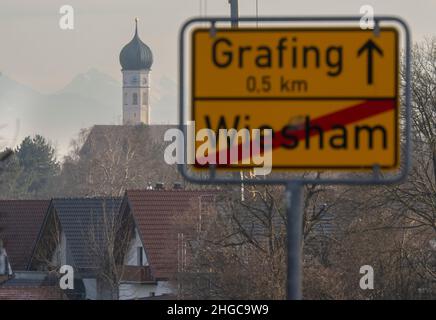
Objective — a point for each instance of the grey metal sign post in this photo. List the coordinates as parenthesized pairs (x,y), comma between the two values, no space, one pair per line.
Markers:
(234,12)
(294,215)
(295,186)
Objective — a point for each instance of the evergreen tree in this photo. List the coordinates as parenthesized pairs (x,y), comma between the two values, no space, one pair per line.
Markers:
(30,171)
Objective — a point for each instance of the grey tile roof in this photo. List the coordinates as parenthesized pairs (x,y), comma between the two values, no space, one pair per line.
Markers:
(23,283)
(30,282)
(79,218)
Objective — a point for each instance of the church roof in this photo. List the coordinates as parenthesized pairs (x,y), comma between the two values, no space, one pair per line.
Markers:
(140,135)
(136,55)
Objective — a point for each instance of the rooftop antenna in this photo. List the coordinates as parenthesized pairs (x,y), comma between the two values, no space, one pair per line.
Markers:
(234,13)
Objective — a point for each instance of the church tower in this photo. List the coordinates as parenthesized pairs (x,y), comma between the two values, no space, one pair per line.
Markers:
(136,60)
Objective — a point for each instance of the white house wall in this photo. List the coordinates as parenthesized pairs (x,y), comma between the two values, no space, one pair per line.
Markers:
(90,288)
(60,254)
(132,291)
(132,254)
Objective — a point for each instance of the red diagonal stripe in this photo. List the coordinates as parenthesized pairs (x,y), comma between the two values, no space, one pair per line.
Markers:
(343,117)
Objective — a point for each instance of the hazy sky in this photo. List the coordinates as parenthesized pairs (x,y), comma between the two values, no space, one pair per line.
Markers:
(36,52)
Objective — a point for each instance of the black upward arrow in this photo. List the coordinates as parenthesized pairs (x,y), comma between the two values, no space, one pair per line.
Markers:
(370,46)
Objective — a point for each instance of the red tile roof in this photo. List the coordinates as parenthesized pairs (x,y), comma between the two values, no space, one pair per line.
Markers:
(136,274)
(31,293)
(154,212)
(20,222)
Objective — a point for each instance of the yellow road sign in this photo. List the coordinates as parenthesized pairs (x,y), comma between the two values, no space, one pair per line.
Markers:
(330,95)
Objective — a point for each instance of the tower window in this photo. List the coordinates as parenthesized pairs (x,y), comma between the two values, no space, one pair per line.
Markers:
(135,99)
(125,98)
(144,99)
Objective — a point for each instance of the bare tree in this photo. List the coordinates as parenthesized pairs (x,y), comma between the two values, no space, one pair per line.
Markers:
(108,161)
(109,235)
(241,251)
(47,252)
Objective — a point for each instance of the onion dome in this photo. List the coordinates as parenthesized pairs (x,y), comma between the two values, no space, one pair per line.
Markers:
(136,55)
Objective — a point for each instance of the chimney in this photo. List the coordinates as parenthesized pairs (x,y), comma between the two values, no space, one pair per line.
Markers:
(177,186)
(159,186)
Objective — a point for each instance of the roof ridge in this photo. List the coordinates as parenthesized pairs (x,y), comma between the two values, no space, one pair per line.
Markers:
(88,198)
(170,190)
(25,200)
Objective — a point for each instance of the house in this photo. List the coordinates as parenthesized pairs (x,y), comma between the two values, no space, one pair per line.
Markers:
(20,223)
(160,237)
(120,248)
(78,232)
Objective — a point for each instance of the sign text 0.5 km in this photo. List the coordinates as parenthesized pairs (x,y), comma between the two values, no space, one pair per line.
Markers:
(330,95)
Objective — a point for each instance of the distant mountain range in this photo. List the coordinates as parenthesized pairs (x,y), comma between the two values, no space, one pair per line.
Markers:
(90,98)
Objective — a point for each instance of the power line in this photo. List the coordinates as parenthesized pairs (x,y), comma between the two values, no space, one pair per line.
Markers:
(257,13)
(203,8)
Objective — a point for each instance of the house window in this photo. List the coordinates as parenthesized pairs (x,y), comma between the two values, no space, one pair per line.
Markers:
(140,255)
(135,99)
